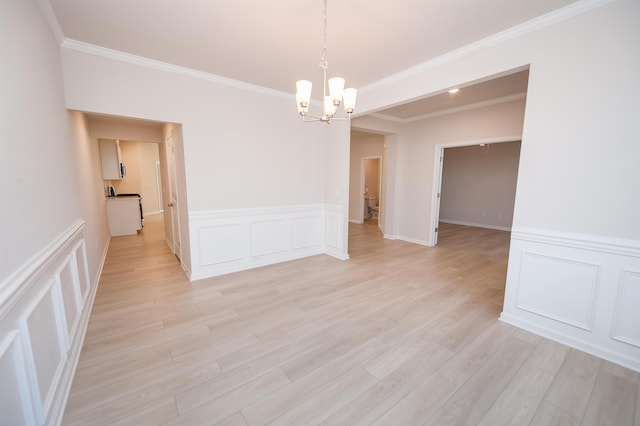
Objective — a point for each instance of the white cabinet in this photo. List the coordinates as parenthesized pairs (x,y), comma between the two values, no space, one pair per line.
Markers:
(124,216)
(112,167)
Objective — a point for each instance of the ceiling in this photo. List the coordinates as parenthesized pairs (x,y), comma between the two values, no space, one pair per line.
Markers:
(274,43)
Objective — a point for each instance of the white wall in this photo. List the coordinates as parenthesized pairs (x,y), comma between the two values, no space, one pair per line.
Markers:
(37,175)
(479,185)
(575,252)
(244,147)
(362,145)
(121,128)
(577,77)
(241,147)
(54,232)
(409,217)
(90,192)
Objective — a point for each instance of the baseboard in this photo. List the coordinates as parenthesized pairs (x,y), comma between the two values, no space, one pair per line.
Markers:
(582,345)
(578,289)
(477,225)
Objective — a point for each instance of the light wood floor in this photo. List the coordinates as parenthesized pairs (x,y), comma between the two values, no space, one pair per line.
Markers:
(400,334)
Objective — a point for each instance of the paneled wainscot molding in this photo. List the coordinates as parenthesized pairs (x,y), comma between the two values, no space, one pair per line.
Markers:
(580,290)
(225,241)
(44,312)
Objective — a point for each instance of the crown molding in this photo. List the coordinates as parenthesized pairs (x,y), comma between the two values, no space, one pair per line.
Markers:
(448,111)
(559,15)
(117,55)
(52,20)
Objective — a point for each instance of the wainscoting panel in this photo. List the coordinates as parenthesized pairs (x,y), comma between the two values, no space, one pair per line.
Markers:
(268,237)
(44,339)
(306,232)
(580,290)
(225,241)
(627,326)
(572,284)
(44,311)
(84,282)
(334,232)
(16,404)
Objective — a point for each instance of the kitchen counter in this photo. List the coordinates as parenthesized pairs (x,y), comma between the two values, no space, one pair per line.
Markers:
(124,214)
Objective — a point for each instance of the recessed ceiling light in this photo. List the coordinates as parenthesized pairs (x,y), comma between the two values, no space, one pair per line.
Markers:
(454,90)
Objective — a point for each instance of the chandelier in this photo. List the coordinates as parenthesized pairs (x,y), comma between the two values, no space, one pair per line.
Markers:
(337,93)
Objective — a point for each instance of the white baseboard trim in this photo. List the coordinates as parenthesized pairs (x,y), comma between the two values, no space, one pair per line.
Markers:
(476,225)
(406,239)
(583,345)
(414,241)
(581,290)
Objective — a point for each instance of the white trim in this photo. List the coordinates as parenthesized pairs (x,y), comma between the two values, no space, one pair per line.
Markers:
(25,290)
(18,283)
(11,342)
(616,246)
(620,298)
(448,111)
(476,225)
(232,213)
(52,19)
(607,333)
(64,385)
(117,55)
(558,336)
(587,325)
(410,240)
(532,25)
(299,231)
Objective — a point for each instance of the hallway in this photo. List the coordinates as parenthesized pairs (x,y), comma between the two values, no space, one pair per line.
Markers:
(399,334)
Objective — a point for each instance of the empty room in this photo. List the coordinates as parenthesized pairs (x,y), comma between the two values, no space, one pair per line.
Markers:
(320,212)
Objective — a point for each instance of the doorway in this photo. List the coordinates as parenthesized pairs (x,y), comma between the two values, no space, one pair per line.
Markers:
(371,184)
(364,147)
(475,184)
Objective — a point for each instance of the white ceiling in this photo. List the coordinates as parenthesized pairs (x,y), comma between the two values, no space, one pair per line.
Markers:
(274,43)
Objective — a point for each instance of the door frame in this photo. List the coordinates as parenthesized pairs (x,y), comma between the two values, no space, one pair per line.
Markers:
(438,158)
(173,204)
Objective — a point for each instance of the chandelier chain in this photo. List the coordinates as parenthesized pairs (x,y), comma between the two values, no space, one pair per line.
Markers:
(323,53)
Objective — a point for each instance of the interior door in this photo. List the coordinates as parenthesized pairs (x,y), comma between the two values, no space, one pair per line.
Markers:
(173,198)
